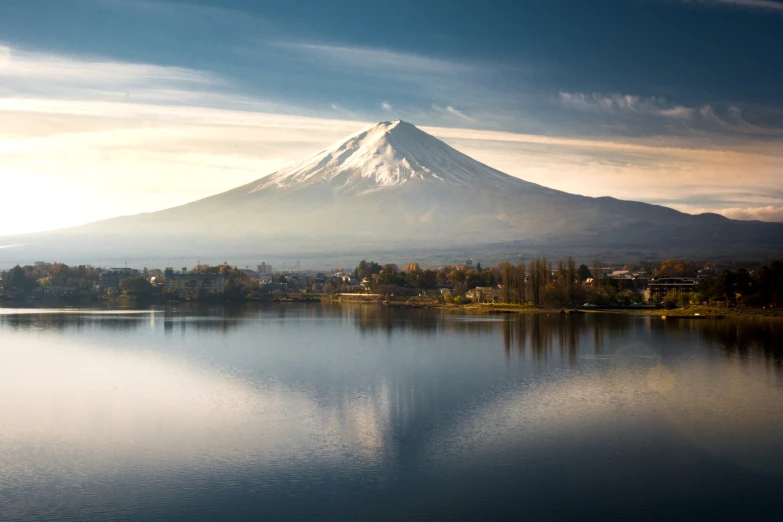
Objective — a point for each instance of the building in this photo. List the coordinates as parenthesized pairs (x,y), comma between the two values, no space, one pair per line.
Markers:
(483,294)
(665,285)
(349,281)
(185,282)
(110,278)
(319,285)
(264,269)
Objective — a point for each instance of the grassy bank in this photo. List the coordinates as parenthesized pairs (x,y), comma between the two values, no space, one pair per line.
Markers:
(435,303)
(774,314)
(505,308)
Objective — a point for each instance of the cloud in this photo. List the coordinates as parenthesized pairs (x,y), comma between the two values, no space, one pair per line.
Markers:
(765,5)
(16,63)
(769,213)
(734,120)
(5,56)
(707,119)
(385,106)
(449,109)
(380,61)
(674,146)
(390,73)
(624,104)
(339,109)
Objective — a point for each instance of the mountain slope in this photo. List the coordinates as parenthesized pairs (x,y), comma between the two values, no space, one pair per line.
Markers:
(393,186)
(386,155)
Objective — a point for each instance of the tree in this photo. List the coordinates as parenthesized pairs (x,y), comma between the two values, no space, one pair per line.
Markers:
(506,277)
(670,300)
(676,268)
(584,273)
(16,278)
(597,270)
(539,277)
(135,285)
(727,281)
(743,281)
(84,284)
(367,269)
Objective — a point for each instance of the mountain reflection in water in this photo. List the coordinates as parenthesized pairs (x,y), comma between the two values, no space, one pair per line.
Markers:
(363,412)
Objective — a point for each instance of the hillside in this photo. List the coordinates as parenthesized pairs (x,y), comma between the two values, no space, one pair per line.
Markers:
(394,188)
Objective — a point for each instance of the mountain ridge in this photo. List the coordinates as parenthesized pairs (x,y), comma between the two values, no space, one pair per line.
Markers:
(383,155)
(391,185)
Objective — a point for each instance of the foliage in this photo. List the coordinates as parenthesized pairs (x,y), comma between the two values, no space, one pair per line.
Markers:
(28,277)
(18,278)
(367,269)
(762,286)
(136,285)
(676,268)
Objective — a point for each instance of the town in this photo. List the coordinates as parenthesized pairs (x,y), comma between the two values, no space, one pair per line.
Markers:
(537,283)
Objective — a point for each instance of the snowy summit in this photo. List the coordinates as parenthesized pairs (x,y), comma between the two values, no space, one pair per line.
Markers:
(385,154)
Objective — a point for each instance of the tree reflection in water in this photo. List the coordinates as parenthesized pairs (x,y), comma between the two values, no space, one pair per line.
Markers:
(540,335)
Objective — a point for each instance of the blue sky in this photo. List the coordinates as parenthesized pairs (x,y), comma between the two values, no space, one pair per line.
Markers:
(678,102)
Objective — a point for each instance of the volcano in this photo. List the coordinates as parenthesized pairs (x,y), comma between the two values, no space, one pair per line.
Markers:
(392,187)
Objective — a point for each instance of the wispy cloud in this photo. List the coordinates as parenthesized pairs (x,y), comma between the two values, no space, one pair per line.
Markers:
(624,103)
(343,111)
(734,120)
(390,73)
(16,63)
(449,109)
(766,5)
(386,106)
(380,61)
(770,213)
(706,120)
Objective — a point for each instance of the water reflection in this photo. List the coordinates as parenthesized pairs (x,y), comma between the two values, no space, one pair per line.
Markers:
(374,411)
(540,335)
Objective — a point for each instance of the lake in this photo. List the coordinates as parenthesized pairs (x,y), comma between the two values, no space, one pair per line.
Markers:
(328,412)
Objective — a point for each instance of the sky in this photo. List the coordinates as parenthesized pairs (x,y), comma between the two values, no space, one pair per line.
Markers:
(114,107)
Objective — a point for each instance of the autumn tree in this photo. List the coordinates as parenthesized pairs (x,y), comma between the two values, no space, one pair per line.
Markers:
(367,269)
(676,268)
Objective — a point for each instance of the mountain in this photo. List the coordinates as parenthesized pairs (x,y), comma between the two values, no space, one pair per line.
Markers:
(394,188)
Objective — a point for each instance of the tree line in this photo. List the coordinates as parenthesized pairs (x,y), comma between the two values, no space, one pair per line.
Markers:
(538,282)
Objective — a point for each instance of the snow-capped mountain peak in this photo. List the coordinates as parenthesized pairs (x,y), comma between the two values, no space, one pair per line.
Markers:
(382,155)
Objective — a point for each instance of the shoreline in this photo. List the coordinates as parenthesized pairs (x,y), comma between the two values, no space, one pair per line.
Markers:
(692,311)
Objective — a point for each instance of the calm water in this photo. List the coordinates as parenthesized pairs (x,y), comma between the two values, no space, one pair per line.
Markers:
(361,413)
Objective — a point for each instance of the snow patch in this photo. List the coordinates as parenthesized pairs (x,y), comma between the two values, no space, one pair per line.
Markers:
(386,154)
